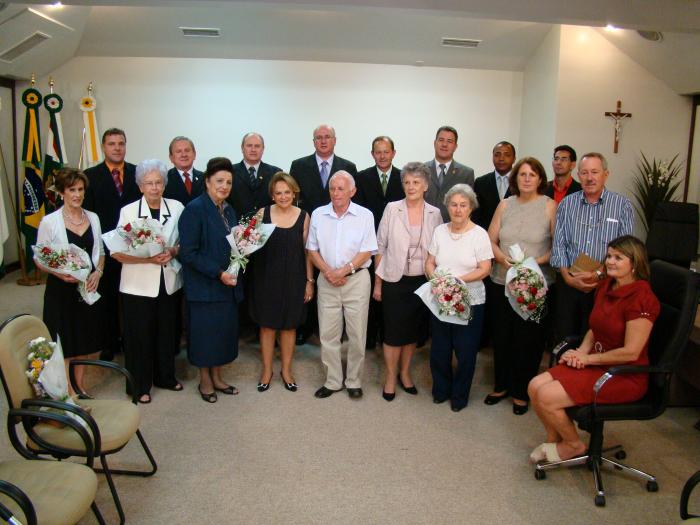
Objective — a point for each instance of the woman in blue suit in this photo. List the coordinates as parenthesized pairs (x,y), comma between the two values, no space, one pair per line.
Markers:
(211,293)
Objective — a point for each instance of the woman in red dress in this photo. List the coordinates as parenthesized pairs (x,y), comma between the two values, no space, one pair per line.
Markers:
(620,324)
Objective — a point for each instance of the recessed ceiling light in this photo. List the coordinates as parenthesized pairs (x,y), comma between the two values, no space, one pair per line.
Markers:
(654,36)
(57,5)
(611,28)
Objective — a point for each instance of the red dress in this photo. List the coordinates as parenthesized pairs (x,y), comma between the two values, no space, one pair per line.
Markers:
(611,310)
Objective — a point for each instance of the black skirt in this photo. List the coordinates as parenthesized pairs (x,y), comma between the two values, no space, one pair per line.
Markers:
(405,315)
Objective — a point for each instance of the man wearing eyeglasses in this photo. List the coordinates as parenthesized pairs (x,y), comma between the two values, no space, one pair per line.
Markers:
(563,164)
(445,172)
(586,222)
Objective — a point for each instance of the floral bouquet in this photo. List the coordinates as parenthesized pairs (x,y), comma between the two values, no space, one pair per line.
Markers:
(47,372)
(139,238)
(526,288)
(67,259)
(248,237)
(447,297)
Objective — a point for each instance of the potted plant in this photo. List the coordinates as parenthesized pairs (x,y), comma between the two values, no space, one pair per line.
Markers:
(654,182)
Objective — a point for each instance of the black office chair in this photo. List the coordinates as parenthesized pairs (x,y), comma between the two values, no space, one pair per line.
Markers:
(678,291)
(685,497)
(673,233)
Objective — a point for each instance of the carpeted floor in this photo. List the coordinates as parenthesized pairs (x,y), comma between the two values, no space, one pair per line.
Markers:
(282,457)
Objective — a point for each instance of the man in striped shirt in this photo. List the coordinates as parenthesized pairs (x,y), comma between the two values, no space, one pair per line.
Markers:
(586,222)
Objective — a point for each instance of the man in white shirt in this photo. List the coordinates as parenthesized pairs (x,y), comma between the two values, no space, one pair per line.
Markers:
(340,244)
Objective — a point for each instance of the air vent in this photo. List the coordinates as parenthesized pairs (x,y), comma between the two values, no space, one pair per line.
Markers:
(460,42)
(208,32)
(24,46)
(654,36)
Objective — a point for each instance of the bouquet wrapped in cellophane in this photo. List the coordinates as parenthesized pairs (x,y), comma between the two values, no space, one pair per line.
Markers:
(138,238)
(447,297)
(67,259)
(247,237)
(526,288)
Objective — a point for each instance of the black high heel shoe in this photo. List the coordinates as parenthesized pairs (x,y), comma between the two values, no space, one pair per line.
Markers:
(408,389)
(387,396)
(264,386)
(292,387)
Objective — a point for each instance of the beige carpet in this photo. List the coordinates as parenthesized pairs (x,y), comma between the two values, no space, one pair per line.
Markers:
(282,457)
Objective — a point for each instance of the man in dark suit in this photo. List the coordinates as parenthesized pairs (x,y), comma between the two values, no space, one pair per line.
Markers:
(251,177)
(493,187)
(184,181)
(563,164)
(445,172)
(377,186)
(312,174)
(112,185)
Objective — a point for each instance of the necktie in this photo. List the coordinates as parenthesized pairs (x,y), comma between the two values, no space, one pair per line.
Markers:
(501,187)
(324,173)
(384,181)
(188,183)
(117,181)
(441,175)
(253,178)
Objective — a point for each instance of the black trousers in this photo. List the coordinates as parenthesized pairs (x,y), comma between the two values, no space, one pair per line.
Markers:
(150,339)
(110,340)
(517,348)
(573,308)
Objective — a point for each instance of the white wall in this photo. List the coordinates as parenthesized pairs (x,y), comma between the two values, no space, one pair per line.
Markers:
(216,101)
(540,95)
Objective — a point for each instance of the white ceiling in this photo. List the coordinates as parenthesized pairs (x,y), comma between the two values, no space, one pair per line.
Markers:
(366,31)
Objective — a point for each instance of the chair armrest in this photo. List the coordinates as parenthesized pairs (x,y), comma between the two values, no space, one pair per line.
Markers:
(567,343)
(104,364)
(93,445)
(622,370)
(19,497)
(685,495)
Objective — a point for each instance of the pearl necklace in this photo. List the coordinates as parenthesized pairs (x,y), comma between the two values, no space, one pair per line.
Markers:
(71,221)
(455,236)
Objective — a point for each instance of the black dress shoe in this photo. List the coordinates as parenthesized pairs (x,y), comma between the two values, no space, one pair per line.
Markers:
(408,389)
(439,400)
(355,393)
(325,392)
(387,396)
(519,410)
(457,408)
(264,386)
(492,400)
(292,387)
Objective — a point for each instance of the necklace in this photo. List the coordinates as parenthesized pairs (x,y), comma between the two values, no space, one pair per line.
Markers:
(71,221)
(420,236)
(455,236)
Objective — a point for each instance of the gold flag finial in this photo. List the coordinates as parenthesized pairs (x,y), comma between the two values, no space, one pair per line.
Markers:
(90,89)
(51,84)
(33,79)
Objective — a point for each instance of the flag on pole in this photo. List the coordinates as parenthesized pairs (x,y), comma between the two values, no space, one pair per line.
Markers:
(92,153)
(55,153)
(32,204)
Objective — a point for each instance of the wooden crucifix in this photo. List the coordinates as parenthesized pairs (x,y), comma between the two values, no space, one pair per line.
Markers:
(617,116)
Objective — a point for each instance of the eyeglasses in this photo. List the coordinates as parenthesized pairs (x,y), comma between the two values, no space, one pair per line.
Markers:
(561,159)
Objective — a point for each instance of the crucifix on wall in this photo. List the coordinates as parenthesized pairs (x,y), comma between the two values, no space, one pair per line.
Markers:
(617,116)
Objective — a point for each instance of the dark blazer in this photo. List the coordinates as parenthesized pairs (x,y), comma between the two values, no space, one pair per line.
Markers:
(101,194)
(458,174)
(175,188)
(487,194)
(575,186)
(245,198)
(369,191)
(305,172)
(204,251)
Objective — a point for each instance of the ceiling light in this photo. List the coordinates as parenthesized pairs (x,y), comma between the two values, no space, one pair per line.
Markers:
(57,5)
(654,36)
(210,32)
(611,28)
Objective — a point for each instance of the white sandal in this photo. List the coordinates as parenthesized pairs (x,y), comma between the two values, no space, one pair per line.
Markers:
(550,452)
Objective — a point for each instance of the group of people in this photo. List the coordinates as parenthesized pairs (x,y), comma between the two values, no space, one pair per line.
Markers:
(347,254)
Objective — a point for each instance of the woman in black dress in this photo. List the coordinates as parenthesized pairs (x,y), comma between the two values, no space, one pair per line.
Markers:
(282,279)
(65,313)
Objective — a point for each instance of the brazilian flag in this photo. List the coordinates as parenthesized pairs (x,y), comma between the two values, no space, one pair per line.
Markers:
(32,203)
(55,153)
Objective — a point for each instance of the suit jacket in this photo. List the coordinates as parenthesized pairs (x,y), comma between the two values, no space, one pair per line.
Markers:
(246,198)
(204,251)
(313,193)
(369,191)
(175,188)
(458,174)
(394,238)
(573,188)
(144,279)
(101,194)
(486,191)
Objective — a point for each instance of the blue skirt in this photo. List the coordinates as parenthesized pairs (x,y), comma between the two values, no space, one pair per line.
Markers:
(212,333)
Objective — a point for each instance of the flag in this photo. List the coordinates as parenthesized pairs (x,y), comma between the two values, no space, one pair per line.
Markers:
(4,229)
(55,153)
(32,204)
(92,153)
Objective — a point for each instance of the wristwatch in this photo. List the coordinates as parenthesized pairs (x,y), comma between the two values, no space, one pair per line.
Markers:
(352,268)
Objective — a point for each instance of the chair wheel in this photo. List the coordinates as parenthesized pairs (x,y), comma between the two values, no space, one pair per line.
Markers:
(540,474)
(652,486)
(600,501)
(620,454)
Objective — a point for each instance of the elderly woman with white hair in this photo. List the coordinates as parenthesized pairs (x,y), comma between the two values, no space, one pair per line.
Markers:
(150,288)
(462,249)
